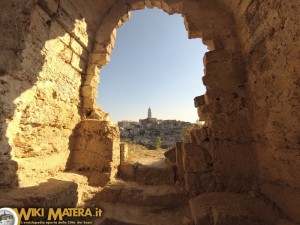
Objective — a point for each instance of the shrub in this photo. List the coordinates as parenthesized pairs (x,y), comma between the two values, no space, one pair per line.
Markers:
(186,131)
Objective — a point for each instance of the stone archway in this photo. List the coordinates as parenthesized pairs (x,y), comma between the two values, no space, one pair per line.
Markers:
(251,105)
(223,107)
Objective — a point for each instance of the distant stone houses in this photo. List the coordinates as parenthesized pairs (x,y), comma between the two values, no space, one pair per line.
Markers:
(146,131)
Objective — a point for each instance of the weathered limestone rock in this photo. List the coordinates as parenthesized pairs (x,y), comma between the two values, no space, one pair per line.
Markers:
(148,175)
(144,195)
(195,159)
(8,174)
(198,168)
(95,150)
(123,153)
(50,56)
(53,193)
(231,208)
(171,155)
(179,161)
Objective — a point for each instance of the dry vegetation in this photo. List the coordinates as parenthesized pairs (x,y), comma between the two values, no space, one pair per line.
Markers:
(141,154)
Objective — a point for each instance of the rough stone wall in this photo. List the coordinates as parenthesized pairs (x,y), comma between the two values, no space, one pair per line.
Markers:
(226,135)
(224,107)
(95,151)
(269,35)
(51,49)
(13,80)
(44,57)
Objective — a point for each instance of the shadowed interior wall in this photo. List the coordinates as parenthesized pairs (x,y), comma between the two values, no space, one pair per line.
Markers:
(269,35)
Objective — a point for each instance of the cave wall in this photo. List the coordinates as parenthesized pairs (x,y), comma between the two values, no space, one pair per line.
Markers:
(53,50)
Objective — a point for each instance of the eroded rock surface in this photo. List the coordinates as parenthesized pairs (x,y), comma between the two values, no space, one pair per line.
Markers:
(52,51)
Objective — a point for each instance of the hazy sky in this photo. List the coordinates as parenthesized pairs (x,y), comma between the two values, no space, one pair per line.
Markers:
(154,64)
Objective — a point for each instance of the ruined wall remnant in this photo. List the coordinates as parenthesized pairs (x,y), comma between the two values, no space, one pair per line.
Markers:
(51,53)
(42,65)
(95,151)
(269,36)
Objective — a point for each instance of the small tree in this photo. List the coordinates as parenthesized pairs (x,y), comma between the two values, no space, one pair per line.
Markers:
(157,143)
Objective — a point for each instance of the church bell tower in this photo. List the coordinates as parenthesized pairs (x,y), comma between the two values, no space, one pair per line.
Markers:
(149,113)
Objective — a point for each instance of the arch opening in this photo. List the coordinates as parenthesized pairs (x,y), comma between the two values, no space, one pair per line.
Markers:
(222,106)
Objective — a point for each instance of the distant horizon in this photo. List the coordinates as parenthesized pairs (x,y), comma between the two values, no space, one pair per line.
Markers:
(153,64)
(137,120)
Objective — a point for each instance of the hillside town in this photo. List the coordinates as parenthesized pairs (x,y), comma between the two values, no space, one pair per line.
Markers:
(147,131)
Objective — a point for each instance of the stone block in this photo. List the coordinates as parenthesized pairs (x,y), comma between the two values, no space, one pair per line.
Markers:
(136,5)
(213,44)
(124,151)
(229,80)
(196,159)
(93,70)
(200,135)
(8,173)
(166,8)
(148,4)
(126,17)
(155,175)
(110,22)
(78,63)
(79,50)
(97,178)
(197,183)
(88,103)
(100,59)
(225,73)
(217,56)
(175,6)
(52,193)
(224,208)
(103,48)
(157,3)
(91,80)
(171,155)
(87,91)
(127,171)
(100,154)
(49,6)
(148,175)
(179,160)
(97,114)
(203,116)
(199,101)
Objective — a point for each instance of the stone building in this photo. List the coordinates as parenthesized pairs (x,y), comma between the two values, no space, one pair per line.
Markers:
(146,131)
(149,119)
(241,168)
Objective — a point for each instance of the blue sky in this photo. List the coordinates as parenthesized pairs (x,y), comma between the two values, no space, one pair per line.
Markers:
(153,64)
